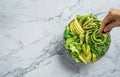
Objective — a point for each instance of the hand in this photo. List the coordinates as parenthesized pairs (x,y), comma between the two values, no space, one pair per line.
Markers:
(110,21)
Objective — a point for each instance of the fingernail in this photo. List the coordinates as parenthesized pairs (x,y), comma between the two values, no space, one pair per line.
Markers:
(105,30)
(99,32)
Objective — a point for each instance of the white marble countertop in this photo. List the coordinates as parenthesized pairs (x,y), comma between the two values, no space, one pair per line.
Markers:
(31,39)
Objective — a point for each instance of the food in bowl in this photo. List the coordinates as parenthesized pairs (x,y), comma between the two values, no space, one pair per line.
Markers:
(82,41)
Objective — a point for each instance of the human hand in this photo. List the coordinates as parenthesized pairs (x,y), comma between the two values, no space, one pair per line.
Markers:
(110,21)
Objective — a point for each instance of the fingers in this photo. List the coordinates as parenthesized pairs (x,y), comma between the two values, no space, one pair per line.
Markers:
(111,20)
(105,21)
(109,27)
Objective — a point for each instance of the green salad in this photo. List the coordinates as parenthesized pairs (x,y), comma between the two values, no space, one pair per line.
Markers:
(82,41)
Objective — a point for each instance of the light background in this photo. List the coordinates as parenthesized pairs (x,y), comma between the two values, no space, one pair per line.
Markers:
(31,39)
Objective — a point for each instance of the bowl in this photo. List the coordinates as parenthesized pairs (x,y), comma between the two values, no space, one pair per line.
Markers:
(82,41)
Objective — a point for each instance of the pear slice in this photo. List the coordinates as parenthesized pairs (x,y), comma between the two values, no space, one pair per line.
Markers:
(84,49)
(94,58)
(72,29)
(78,26)
(89,56)
(75,28)
(82,58)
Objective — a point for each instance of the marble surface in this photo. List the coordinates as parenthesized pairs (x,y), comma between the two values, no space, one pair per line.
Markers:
(31,39)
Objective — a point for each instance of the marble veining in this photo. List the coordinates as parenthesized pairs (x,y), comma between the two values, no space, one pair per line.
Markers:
(31,39)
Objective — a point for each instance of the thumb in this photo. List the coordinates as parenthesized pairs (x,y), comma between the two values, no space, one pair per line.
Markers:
(109,27)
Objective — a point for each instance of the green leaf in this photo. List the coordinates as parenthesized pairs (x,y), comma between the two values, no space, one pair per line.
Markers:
(67,33)
(69,41)
(78,17)
(96,27)
(77,60)
(90,15)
